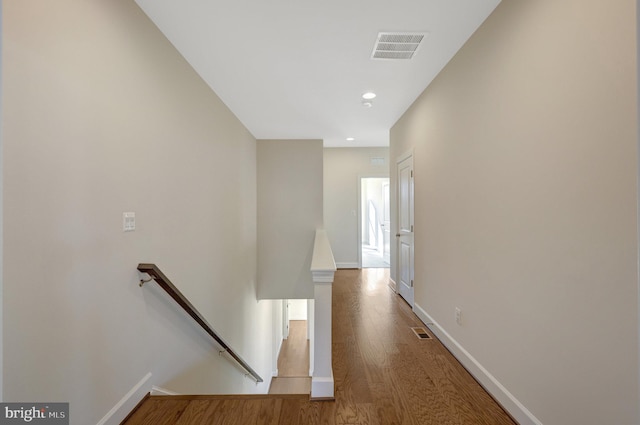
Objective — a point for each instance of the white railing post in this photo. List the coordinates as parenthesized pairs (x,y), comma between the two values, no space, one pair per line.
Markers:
(323,268)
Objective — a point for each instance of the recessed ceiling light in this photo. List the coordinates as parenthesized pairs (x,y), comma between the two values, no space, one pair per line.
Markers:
(350,139)
(369,95)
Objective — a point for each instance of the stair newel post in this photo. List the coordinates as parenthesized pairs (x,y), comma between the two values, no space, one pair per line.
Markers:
(323,269)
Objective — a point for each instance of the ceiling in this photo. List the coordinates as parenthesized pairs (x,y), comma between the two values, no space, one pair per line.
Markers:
(296,69)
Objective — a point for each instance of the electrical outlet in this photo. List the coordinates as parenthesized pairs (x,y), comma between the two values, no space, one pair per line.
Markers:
(458,316)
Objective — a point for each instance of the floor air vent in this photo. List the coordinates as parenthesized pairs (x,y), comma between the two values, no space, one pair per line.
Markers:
(421,333)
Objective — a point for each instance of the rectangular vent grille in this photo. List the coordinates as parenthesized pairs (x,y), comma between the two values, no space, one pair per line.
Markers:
(421,333)
(397,45)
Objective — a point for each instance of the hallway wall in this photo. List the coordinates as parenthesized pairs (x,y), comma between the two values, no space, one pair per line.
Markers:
(525,153)
(101,115)
(289,212)
(343,167)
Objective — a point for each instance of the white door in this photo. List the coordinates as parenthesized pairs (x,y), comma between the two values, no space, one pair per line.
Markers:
(405,229)
(386,223)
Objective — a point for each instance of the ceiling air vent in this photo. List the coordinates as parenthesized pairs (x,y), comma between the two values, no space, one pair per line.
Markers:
(397,45)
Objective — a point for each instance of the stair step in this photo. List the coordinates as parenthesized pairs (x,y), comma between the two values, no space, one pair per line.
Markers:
(220,409)
(290,385)
(230,396)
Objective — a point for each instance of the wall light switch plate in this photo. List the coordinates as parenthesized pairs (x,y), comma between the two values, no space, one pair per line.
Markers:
(128,221)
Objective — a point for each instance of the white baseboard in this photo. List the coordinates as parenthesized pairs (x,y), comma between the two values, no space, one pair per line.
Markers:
(392,284)
(347,265)
(162,391)
(488,381)
(120,411)
(322,387)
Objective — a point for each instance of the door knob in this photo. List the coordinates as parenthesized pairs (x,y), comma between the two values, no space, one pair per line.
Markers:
(397,235)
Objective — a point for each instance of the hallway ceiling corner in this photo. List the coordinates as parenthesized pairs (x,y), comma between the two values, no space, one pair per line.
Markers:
(297,70)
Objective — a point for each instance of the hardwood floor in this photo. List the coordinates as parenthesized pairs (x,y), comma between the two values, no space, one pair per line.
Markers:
(383,374)
(294,354)
(293,362)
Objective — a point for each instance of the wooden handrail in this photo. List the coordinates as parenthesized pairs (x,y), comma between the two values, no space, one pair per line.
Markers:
(164,282)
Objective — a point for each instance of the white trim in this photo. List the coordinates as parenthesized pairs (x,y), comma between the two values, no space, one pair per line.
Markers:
(285,323)
(320,345)
(162,391)
(323,276)
(128,402)
(311,331)
(322,259)
(322,387)
(275,372)
(404,156)
(347,265)
(393,285)
(359,221)
(508,401)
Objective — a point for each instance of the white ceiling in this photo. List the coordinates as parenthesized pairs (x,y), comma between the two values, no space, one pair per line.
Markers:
(296,69)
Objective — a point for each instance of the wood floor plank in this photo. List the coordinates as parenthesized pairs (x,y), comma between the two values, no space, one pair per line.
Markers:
(224,414)
(158,411)
(293,360)
(199,412)
(250,412)
(421,398)
(269,413)
(389,405)
(290,412)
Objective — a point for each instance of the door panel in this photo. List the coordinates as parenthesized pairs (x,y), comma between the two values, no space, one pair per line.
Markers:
(405,229)
(404,179)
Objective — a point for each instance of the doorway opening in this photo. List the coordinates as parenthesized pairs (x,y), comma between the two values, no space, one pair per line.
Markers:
(375,222)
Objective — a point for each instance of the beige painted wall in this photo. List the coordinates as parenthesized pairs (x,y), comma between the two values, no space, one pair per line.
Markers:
(289,212)
(343,167)
(101,115)
(525,205)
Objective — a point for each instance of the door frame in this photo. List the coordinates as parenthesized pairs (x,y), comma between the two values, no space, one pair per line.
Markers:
(386,253)
(285,319)
(359,210)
